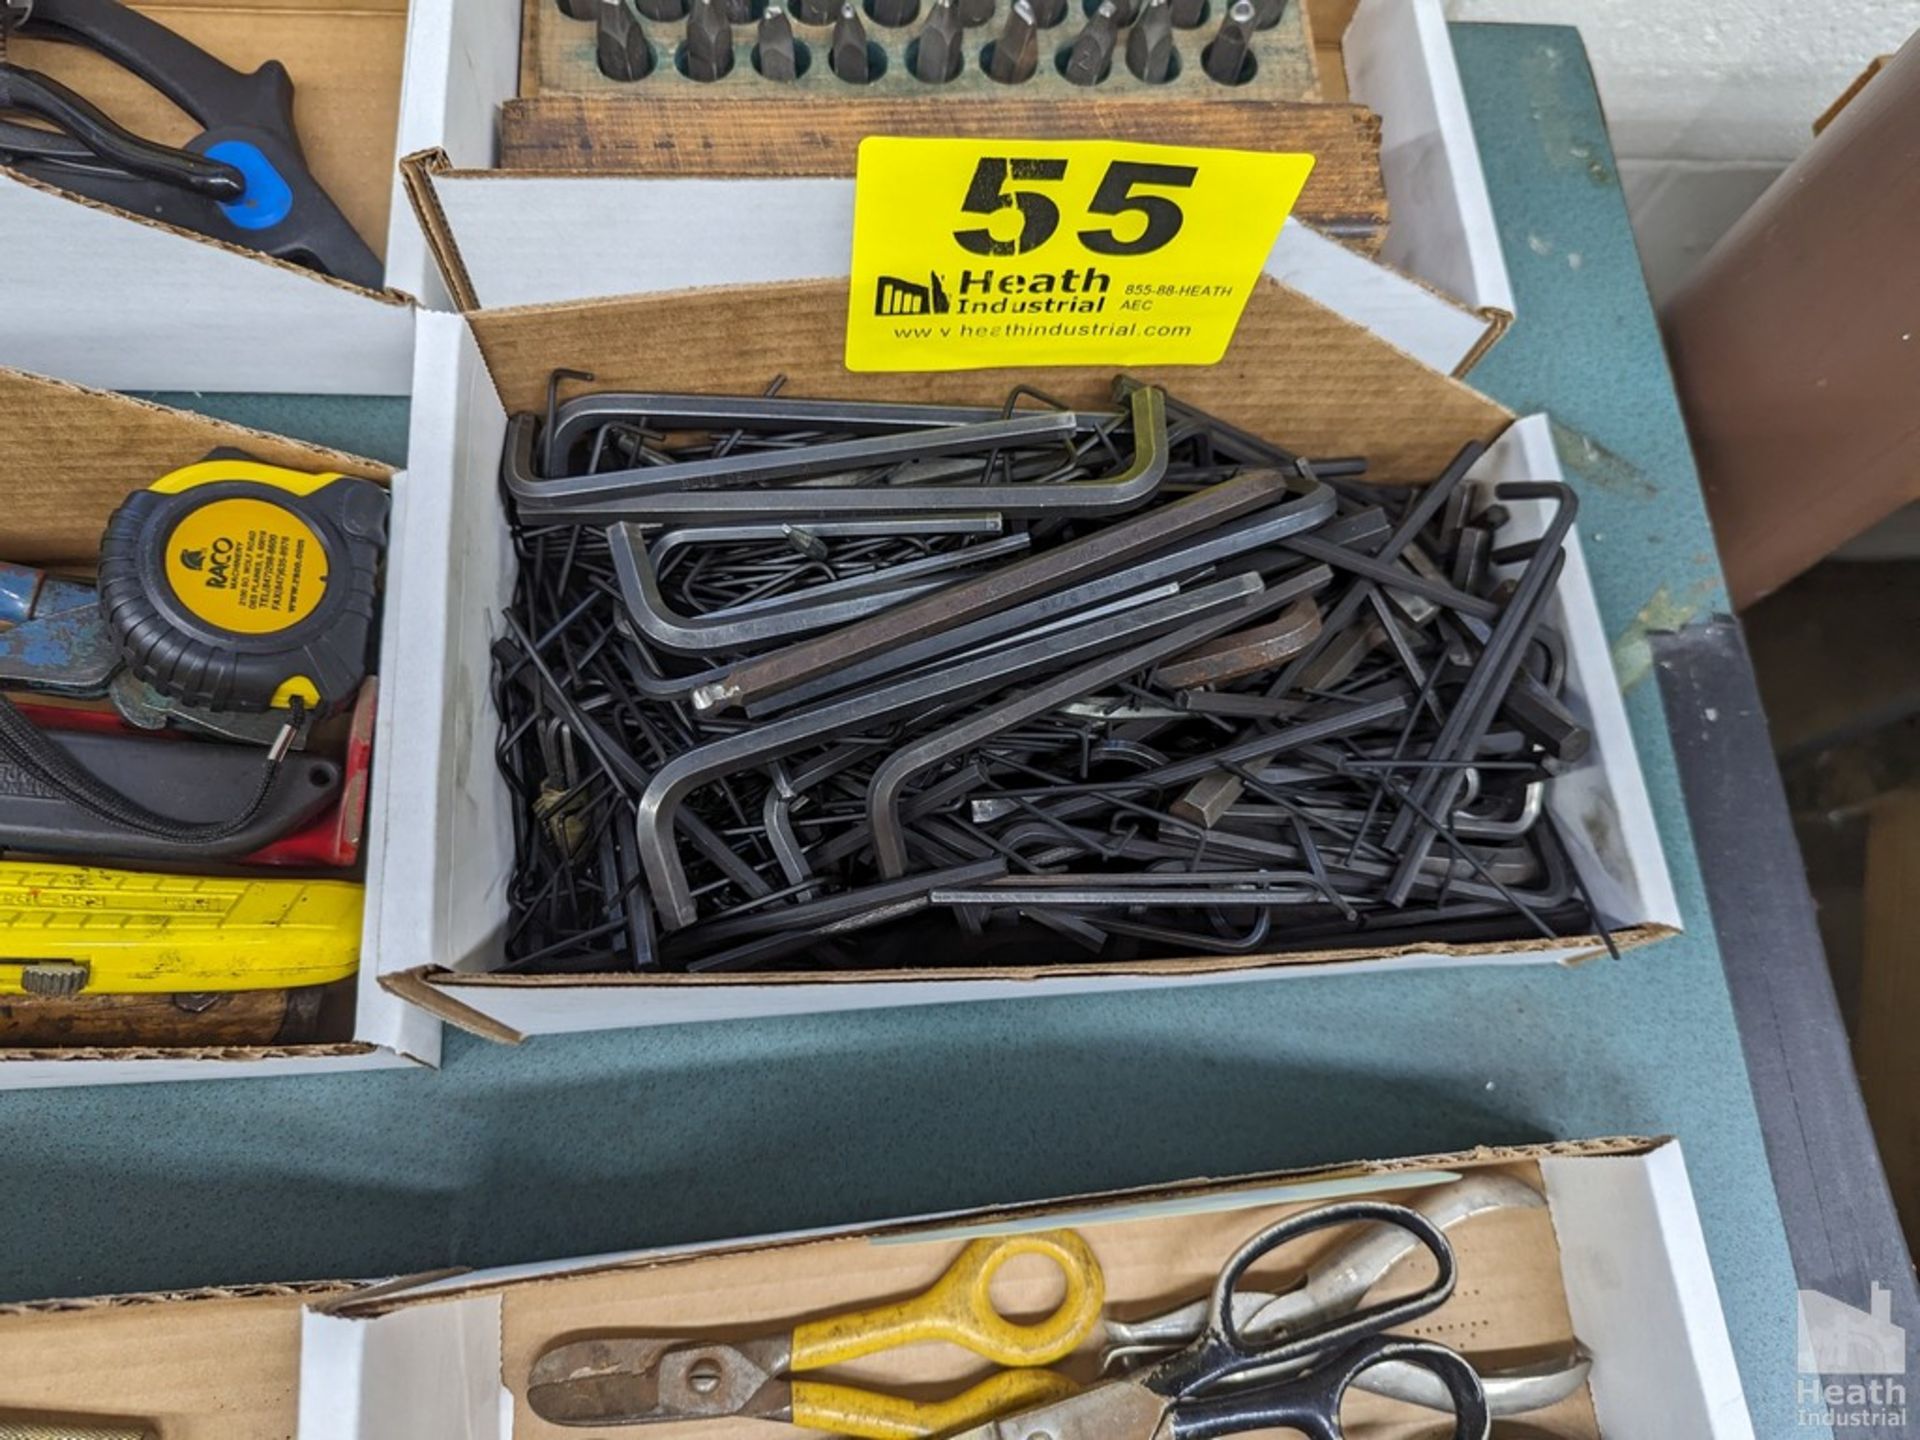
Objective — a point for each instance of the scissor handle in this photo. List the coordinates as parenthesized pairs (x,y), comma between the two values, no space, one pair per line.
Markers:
(959,1309)
(1310,1404)
(866,1415)
(1223,1351)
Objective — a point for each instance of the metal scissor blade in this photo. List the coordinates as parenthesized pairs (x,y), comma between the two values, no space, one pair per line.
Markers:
(1334,1286)
(606,1381)
(641,1380)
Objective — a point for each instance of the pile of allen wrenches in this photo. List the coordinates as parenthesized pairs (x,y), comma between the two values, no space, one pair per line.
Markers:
(799,683)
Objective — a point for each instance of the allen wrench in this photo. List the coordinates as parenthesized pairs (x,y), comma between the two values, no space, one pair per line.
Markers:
(660,807)
(1102,551)
(836,602)
(884,790)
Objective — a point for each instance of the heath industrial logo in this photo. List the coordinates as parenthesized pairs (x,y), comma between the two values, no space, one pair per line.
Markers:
(1852,1363)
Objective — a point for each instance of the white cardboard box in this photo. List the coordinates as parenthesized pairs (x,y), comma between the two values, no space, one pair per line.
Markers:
(521,239)
(1617,1260)
(456,861)
(81,450)
(108,298)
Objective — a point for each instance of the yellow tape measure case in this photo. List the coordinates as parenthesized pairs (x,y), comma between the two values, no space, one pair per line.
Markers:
(237,585)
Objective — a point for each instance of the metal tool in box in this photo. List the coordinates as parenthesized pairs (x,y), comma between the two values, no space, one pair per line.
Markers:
(620,1379)
(234,598)
(243,179)
(625,1380)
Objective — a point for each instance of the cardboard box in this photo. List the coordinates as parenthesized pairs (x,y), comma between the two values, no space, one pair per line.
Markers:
(192,1365)
(68,456)
(1616,1259)
(117,300)
(1345,392)
(526,238)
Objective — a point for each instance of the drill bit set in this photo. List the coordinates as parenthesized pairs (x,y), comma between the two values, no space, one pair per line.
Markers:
(1197,49)
(800,683)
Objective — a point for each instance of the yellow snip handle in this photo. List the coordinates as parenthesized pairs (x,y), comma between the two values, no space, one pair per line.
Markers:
(843,1410)
(959,1309)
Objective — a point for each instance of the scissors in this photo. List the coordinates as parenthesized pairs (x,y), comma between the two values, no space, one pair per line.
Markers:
(1224,1383)
(636,1379)
(1339,1281)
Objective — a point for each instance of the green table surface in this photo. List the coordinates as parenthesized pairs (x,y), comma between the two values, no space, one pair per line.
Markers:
(582,1144)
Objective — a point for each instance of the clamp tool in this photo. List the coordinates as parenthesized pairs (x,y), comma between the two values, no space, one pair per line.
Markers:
(630,1380)
(243,179)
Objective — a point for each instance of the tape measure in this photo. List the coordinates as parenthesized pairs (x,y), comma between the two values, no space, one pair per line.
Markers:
(236,585)
(75,929)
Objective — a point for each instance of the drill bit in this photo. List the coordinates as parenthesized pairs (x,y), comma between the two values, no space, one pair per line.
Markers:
(1049,13)
(847,56)
(937,54)
(1267,13)
(1188,14)
(707,54)
(665,12)
(1092,50)
(1225,59)
(1016,51)
(739,12)
(893,13)
(1150,44)
(1124,12)
(773,53)
(621,46)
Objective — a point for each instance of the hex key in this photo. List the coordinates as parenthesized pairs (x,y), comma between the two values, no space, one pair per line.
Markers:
(670,504)
(883,791)
(1195,557)
(658,809)
(538,496)
(1103,551)
(576,417)
(1492,678)
(1246,652)
(820,608)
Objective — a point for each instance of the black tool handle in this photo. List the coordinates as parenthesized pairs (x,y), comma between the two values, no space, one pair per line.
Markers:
(1223,1352)
(197,782)
(1310,1404)
(250,115)
(89,138)
(208,89)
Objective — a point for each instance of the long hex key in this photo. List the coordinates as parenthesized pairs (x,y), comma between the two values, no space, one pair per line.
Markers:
(659,808)
(666,495)
(1189,559)
(537,496)
(883,791)
(821,607)
(1104,550)
(1479,699)
(584,413)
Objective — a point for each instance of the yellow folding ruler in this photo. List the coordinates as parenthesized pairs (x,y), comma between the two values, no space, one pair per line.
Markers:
(73,929)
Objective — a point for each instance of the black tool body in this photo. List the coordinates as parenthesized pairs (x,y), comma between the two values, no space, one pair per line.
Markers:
(196,782)
(243,179)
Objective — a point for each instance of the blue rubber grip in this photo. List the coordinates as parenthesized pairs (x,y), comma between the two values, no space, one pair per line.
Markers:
(267,200)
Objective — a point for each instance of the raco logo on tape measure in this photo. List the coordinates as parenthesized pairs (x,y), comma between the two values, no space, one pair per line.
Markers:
(223,549)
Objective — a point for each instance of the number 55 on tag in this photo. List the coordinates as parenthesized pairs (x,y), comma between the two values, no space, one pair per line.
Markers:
(971,254)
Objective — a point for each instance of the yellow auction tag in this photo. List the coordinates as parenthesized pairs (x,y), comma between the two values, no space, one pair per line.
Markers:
(970,254)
